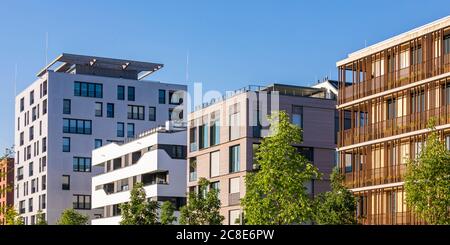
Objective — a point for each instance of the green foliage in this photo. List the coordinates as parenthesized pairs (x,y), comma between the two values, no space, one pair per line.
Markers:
(427,181)
(72,217)
(336,207)
(276,193)
(167,213)
(40,218)
(139,211)
(203,207)
(12,216)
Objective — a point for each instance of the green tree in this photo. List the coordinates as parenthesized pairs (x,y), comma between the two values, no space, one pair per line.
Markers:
(335,207)
(12,217)
(427,181)
(139,211)
(167,213)
(40,218)
(203,206)
(276,193)
(72,217)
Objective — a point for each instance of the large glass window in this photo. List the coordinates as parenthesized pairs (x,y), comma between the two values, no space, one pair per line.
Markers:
(391,109)
(215,129)
(131,93)
(67,106)
(84,89)
(82,202)
(234,121)
(418,102)
(66,182)
(234,159)
(297,116)
(192,169)
(77,126)
(98,109)
(121,92)
(110,110)
(66,144)
(203,136)
(136,112)
(193,139)
(162,96)
(82,164)
(130,130)
(152,113)
(32,97)
(120,129)
(98,143)
(447,44)
(348,162)
(214,163)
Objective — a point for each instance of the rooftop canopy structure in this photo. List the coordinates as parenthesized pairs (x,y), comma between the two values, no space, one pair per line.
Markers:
(100,66)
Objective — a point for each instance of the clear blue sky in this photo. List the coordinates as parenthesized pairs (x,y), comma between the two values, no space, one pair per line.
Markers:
(231,43)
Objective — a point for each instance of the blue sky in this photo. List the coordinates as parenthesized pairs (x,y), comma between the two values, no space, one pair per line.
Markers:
(230,43)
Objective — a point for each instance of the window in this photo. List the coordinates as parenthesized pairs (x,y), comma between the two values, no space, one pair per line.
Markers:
(203,130)
(28,151)
(135,156)
(67,106)
(234,217)
(82,202)
(98,143)
(152,113)
(131,93)
(31,133)
(44,88)
(22,207)
(162,96)
(135,112)
(20,173)
(234,185)
(170,114)
(44,182)
(447,142)
(66,144)
(121,92)
(404,59)
(21,138)
(77,126)
(32,97)
(175,98)
(418,102)
(416,55)
(234,158)
(348,162)
(93,90)
(98,109)
(44,144)
(22,104)
(297,116)
(193,139)
(124,186)
(33,114)
(120,129)
(44,107)
(110,110)
(215,185)
(82,164)
(214,163)
(391,109)
(234,121)
(447,44)
(215,129)
(33,186)
(30,169)
(66,182)
(117,163)
(192,169)
(130,130)
(43,201)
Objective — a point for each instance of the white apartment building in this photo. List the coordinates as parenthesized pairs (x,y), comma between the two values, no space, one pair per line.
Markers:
(156,158)
(77,104)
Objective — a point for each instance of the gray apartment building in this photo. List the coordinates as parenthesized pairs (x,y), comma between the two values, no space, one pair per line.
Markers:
(77,104)
(224,135)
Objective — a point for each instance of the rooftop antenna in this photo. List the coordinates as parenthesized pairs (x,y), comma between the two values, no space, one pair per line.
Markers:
(187,66)
(15,81)
(46,48)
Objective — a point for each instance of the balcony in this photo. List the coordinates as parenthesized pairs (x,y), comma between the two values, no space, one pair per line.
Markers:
(376,176)
(394,218)
(395,126)
(234,198)
(394,79)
